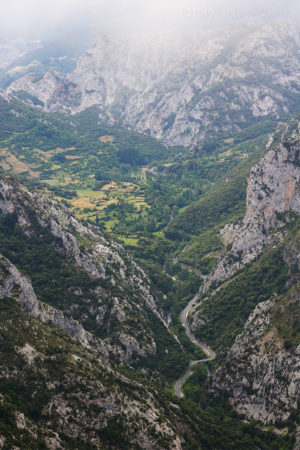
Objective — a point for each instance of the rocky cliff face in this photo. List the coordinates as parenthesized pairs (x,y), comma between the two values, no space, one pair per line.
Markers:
(17,286)
(273,198)
(113,298)
(261,375)
(57,394)
(180,88)
(61,385)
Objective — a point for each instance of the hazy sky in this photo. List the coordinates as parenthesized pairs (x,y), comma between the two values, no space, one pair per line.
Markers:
(48,19)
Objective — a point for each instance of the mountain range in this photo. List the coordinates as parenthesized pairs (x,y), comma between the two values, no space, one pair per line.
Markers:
(139,175)
(180,88)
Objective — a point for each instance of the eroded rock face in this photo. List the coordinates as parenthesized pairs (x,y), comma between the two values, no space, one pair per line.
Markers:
(17,286)
(273,198)
(121,292)
(261,374)
(228,233)
(180,88)
(78,398)
(261,378)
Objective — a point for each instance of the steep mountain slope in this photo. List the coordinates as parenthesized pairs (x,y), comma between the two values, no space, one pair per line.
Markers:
(102,296)
(86,309)
(261,374)
(57,394)
(45,145)
(184,88)
(249,311)
(22,57)
(273,199)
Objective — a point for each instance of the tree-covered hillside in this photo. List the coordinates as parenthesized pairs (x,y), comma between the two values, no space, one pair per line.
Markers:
(166,207)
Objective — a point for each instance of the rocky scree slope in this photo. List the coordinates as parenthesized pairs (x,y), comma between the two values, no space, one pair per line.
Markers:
(180,88)
(90,287)
(260,373)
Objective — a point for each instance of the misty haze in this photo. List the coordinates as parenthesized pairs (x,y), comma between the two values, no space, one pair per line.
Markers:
(149,224)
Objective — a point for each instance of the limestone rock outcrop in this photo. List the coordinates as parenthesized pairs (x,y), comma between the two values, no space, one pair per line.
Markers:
(120,293)
(260,378)
(273,199)
(181,88)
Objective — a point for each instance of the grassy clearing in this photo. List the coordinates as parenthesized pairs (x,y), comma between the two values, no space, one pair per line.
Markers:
(109,224)
(71,157)
(90,193)
(106,138)
(5,166)
(13,164)
(130,241)
(110,206)
(83,203)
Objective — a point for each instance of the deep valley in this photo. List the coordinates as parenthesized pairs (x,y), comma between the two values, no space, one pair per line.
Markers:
(150,241)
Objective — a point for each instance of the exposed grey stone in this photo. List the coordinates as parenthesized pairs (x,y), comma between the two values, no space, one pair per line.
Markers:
(181,88)
(260,384)
(103,260)
(273,197)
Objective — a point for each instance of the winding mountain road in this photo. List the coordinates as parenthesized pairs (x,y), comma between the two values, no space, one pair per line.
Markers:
(208,351)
